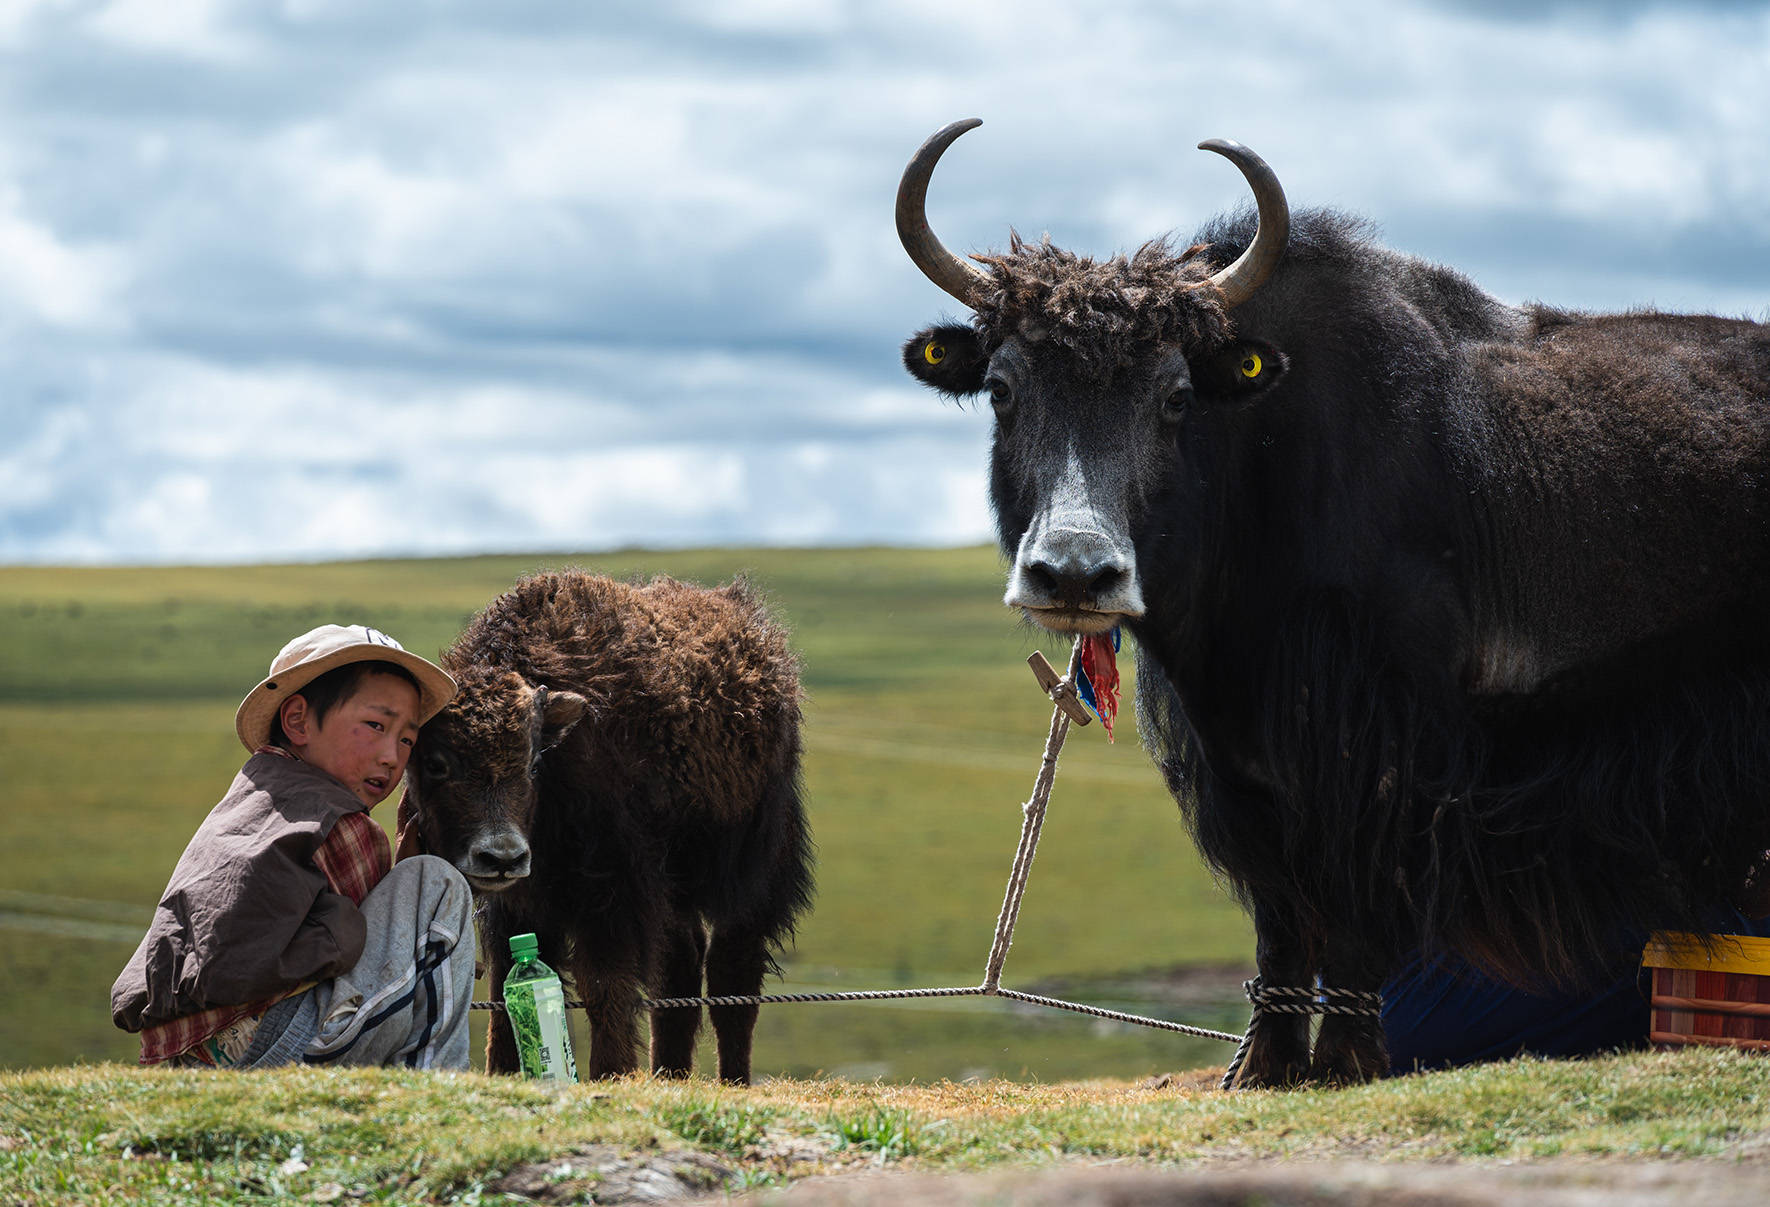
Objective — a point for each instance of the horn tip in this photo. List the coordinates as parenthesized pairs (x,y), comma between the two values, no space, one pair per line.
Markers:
(1222,146)
(941,139)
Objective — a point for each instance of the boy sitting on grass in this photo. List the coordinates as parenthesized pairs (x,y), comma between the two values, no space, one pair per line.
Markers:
(286,934)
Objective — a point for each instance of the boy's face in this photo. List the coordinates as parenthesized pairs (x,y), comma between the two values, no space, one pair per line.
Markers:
(364,741)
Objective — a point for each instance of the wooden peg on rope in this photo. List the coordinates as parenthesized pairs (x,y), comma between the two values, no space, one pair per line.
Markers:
(1061,690)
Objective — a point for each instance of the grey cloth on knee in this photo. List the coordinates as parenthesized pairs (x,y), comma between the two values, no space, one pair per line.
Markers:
(405,1002)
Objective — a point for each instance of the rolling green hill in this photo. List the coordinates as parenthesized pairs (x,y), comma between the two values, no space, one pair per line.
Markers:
(923,732)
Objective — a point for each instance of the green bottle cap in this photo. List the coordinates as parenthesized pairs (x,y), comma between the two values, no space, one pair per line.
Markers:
(523,947)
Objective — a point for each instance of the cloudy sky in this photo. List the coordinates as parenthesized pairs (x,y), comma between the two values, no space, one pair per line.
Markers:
(331,277)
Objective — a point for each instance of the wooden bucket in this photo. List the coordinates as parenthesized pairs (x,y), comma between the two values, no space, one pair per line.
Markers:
(1716,996)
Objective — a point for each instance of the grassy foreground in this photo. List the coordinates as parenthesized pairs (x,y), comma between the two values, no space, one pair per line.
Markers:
(113,1134)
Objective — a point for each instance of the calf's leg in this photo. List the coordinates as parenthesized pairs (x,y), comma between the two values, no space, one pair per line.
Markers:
(609,984)
(494,938)
(737,960)
(673,1031)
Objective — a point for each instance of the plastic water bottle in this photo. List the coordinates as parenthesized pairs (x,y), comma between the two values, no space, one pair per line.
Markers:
(535,1003)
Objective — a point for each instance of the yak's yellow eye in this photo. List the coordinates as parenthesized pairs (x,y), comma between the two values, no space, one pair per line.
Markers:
(1251,365)
(934,353)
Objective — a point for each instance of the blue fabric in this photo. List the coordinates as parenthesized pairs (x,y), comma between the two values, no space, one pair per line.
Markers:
(1441,1013)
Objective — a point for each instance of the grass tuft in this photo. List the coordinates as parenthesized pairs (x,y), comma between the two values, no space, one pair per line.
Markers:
(721,1127)
(889,1132)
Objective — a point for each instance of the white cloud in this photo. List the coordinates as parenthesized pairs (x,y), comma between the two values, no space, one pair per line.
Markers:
(16,15)
(362,214)
(181,28)
(184,460)
(51,281)
(565,275)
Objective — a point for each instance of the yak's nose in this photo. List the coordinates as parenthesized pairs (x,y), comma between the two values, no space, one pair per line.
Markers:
(500,854)
(1075,570)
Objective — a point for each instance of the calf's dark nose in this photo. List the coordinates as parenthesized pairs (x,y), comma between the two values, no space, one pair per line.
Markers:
(503,853)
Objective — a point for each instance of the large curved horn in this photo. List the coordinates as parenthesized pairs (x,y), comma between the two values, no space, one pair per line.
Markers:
(1253,266)
(960,278)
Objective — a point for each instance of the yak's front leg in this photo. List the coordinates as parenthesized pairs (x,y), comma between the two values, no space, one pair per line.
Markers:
(1349,1049)
(1278,1049)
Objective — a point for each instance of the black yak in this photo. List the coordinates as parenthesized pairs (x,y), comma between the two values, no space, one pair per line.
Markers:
(619,774)
(1450,615)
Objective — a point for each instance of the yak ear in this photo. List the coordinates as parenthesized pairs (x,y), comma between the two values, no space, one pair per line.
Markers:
(560,712)
(948,357)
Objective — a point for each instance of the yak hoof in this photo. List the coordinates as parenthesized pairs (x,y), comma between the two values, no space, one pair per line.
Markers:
(1349,1060)
(1275,1059)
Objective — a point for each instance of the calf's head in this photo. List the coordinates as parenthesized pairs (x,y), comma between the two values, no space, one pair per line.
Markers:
(470,786)
(1109,382)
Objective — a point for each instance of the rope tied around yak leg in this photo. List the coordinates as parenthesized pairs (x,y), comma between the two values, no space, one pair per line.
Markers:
(1288,1000)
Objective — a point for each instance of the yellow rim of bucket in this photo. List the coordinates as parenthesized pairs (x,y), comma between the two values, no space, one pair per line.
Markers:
(1746,954)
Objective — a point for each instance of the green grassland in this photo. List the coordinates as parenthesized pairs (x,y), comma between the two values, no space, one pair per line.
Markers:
(923,732)
(107,1134)
(117,689)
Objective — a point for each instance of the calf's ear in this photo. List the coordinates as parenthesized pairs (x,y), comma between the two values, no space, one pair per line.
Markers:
(560,712)
(948,358)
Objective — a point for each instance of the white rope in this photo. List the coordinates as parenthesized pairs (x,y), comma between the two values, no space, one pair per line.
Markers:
(1032,820)
(875,995)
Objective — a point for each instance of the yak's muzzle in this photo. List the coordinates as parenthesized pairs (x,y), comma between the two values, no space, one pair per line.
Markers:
(1074,577)
(497,859)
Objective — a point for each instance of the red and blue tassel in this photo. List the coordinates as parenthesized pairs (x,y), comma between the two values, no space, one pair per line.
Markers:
(1098,680)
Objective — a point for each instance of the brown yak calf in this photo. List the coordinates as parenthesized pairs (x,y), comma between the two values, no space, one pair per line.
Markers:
(620,775)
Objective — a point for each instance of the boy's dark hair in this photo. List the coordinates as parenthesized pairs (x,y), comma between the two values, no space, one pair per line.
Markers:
(333,688)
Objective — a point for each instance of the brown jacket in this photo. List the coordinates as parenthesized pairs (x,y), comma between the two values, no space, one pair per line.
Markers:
(247,914)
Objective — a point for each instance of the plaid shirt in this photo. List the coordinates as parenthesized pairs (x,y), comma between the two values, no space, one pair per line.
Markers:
(354,858)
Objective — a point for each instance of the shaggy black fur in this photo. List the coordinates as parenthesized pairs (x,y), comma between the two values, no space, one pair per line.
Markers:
(1453,634)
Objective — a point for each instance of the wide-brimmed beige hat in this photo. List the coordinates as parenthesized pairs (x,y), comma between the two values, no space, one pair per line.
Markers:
(319,650)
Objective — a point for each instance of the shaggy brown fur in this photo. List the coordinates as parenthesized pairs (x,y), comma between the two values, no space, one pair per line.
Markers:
(620,774)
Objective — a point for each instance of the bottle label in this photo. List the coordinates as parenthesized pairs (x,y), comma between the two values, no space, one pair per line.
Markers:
(537,1016)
